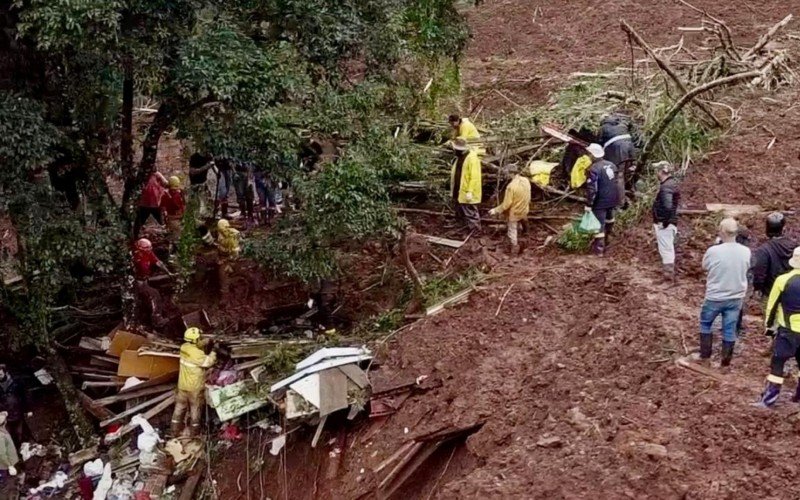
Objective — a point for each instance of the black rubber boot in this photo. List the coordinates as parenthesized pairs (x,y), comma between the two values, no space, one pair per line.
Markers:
(706,343)
(727,352)
(599,246)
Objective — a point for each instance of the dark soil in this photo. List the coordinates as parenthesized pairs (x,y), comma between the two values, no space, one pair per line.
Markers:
(584,349)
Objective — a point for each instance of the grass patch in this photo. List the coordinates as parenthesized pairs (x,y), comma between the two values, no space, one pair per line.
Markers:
(441,287)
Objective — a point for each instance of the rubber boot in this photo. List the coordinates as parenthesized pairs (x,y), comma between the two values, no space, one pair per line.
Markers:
(599,246)
(706,343)
(669,273)
(224,210)
(770,395)
(727,352)
(609,230)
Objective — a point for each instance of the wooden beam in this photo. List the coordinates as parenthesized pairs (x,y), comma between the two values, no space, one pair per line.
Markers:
(161,379)
(150,414)
(96,410)
(134,394)
(135,409)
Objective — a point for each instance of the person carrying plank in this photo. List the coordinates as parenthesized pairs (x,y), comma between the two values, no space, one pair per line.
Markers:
(190,394)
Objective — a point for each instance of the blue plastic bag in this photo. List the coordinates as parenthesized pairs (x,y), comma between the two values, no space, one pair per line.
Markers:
(589,224)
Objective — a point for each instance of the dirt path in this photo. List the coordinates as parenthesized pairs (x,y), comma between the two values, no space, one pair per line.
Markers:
(583,350)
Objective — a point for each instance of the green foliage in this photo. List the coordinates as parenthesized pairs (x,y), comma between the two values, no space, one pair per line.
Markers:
(26,139)
(574,241)
(188,243)
(69,23)
(441,287)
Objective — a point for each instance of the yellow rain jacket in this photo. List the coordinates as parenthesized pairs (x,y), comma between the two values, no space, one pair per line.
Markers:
(540,172)
(517,200)
(229,242)
(580,172)
(470,179)
(194,363)
(467,130)
(783,305)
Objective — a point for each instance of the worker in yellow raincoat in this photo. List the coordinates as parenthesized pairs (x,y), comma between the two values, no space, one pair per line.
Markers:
(228,245)
(191,383)
(515,207)
(466,184)
(463,127)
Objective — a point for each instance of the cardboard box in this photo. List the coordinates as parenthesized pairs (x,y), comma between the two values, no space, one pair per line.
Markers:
(124,341)
(133,365)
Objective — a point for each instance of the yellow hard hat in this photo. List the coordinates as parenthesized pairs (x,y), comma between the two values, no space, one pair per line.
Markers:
(223,224)
(174,182)
(191,334)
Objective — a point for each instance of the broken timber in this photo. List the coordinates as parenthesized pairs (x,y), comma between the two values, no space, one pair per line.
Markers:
(444,241)
(455,299)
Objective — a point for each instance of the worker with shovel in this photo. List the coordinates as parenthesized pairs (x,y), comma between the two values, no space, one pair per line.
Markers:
(466,184)
(602,196)
(147,297)
(514,208)
(196,358)
(783,309)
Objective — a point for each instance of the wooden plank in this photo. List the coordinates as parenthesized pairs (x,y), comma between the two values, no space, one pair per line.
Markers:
(443,241)
(333,391)
(412,452)
(733,210)
(133,365)
(84,370)
(318,433)
(135,409)
(455,299)
(189,487)
(161,379)
(96,410)
(134,394)
(702,370)
(397,454)
(150,414)
(124,341)
(411,467)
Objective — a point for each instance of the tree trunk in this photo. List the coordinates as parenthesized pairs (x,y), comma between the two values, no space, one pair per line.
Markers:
(69,393)
(412,271)
(126,141)
(147,165)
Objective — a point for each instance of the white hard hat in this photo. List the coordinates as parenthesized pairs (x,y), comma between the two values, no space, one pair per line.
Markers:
(596,151)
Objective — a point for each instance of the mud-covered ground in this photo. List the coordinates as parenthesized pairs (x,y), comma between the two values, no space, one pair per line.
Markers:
(583,349)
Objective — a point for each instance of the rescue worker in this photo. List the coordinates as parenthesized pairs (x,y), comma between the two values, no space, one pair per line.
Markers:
(665,218)
(150,202)
(244,185)
(602,196)
(514,208)
(727,264)
(783,309)
(463,128)
(466,184)
(190,394)
(771,259)
(11,403)
(9,458)
(228,245)
(574,152)
(147,298)
(174,205)
(617,137)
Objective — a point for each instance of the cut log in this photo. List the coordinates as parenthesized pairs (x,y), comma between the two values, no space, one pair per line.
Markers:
(135,409)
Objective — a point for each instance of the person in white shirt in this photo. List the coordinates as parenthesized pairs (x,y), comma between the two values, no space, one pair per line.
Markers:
(726,265)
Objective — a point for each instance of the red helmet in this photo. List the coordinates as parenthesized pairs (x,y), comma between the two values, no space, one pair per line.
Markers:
(144,244)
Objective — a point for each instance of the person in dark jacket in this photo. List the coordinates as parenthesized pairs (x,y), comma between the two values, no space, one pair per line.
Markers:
(665,217)
(771,259)
(603,196)
(617,135)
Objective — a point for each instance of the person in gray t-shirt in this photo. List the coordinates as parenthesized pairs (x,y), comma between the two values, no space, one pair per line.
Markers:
(726,286)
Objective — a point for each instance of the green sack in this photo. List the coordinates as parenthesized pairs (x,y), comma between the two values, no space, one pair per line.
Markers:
(589,223)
